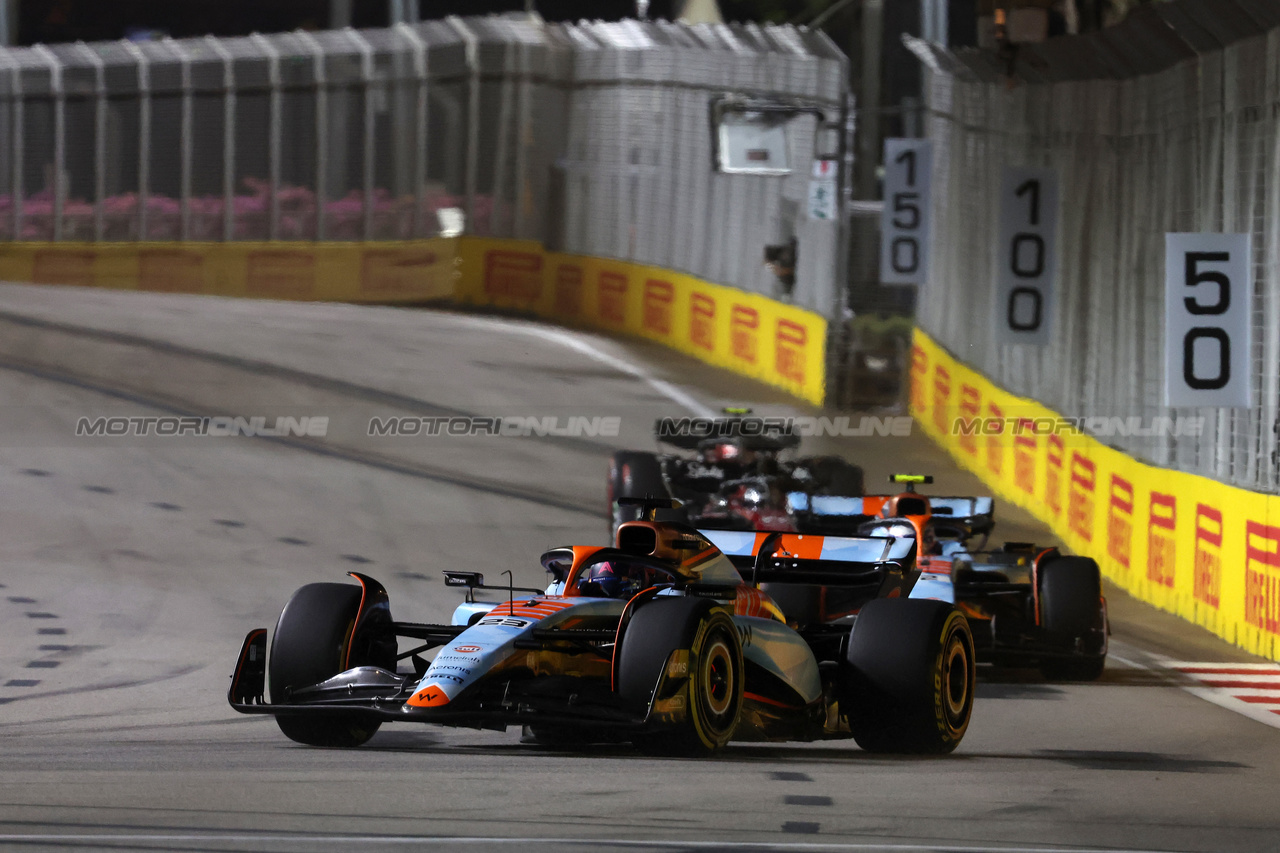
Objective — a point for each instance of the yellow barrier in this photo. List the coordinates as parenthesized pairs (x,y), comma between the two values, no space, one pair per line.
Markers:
(779,344)
(749,334)
(1204,550)
(344,272)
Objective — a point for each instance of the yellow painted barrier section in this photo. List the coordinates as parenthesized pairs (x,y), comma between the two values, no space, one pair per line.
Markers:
(1195,547)
(414,271)
(749,334)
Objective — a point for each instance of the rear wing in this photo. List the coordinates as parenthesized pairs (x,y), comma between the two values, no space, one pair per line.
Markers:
(766,556)
(975,513)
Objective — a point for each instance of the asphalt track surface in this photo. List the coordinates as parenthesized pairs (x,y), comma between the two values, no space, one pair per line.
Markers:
(132,568)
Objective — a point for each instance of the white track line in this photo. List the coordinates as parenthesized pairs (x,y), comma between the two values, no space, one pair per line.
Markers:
(436,840)
(577,344)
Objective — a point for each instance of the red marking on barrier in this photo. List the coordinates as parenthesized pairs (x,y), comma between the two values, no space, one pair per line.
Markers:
(399,271)
(1208,564)
(941,395)
(658,298)
(1120,520)
(568,296)
(513,275)
(280,273)
(702,321)
(1161,545)
(970,407)
(1054,452)
(1262,577)
(791,342)
(1024,457)
(744,325)
(919,380)
(64,266)
(611,292)
(995,447)
(1081,486)
(171,271)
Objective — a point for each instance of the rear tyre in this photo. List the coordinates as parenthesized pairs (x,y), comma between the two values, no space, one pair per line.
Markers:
(909,677)
(715,673)
(310,645)
(1072,617)
(632,475)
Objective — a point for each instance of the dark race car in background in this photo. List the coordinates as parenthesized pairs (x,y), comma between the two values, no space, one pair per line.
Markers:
(734,480)
(657,640)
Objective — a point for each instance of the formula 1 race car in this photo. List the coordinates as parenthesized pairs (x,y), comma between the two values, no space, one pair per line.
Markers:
(735,479)
(1029,605)
(657,640)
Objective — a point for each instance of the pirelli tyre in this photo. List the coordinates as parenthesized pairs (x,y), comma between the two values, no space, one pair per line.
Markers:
(310,645)
(1072,618)
(909,676)
(632,475)
(709,640)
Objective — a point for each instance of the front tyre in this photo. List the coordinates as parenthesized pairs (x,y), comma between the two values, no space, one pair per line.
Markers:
(310,645)
(910,674)
(715,672)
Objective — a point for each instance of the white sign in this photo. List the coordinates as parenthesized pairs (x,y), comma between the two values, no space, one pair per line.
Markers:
(825,169)
(1026,256)
(822,200)
(904,222)
(1208,305)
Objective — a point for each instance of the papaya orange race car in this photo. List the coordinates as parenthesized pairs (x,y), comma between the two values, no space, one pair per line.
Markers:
(675,639)
(1028,605)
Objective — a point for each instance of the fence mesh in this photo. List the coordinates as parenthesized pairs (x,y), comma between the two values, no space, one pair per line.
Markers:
(1170,125)
(594,138)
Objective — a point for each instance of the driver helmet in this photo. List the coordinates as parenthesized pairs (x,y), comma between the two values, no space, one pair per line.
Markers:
(612,579)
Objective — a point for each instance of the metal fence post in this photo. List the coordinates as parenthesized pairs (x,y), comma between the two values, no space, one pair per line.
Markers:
(523,134)
(228,137)
(472,47)
(273,132)
(500,142)
(144,133)
(16,141)
(99,138)
(59,135)
(366,73)
(185,143)
(419,129)
(322,127)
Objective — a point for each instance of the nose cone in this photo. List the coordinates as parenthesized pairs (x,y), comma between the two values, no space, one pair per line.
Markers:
(430,696)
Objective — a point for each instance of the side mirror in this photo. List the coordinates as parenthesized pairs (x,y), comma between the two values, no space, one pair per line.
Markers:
(470,580)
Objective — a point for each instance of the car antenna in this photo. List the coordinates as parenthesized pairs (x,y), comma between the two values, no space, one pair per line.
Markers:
(511,591)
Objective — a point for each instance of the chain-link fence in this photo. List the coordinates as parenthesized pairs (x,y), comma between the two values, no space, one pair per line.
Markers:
(595,138)
(1168,123)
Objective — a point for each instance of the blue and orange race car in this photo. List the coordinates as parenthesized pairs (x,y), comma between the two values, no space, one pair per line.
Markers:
(1029,605)
(675,639)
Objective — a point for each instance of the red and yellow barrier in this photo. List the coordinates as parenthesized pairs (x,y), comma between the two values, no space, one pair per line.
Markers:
(749,334)
(1195,547)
